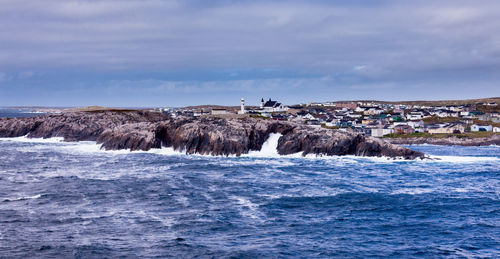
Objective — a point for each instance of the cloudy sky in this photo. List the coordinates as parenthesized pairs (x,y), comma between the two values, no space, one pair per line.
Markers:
(173,53)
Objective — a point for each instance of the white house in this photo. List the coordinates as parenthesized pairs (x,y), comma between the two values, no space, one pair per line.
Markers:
(415,116)
(380,132)
(476,127)
(272,106)
(219,111)
(308,117)
(413,124)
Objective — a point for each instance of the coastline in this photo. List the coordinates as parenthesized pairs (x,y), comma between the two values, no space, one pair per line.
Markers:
(141,130)
(447,141)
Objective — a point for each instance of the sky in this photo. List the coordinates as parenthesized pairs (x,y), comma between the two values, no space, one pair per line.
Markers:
(152,53)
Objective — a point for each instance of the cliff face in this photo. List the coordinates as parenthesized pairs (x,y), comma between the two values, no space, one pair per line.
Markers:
(206,135)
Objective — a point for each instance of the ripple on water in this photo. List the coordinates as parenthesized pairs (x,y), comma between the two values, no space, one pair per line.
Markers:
(60,199)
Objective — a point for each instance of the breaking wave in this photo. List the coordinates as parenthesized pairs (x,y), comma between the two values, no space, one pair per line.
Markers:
(268,151)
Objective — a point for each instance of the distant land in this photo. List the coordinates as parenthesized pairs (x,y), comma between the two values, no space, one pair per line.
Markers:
(216,106)
(470,122)
(436,103)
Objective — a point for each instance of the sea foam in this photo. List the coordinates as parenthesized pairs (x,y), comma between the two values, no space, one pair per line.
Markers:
(268,150)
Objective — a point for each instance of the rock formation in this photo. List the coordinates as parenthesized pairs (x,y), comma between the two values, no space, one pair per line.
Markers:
(140,130)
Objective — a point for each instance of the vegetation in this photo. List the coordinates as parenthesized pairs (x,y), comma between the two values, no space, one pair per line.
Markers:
(259,117)
(438,103)
(488,109)
(112,110)
(328,127)
(450,102)
(100,109)
(435,119)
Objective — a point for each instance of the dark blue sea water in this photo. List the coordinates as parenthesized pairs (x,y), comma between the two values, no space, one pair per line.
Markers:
(72,200)
(6,112)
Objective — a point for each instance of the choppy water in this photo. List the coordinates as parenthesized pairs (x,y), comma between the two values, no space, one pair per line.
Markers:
(71,200)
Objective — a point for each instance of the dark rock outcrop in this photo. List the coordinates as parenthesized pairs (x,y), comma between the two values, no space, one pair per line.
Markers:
(138,130)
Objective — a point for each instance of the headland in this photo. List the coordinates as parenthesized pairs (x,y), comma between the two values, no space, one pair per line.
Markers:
(207,135)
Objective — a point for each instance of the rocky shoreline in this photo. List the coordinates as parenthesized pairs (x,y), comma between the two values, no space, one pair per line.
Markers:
(450,141)
(141,130)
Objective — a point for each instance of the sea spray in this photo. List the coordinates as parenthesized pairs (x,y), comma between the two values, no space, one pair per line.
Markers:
(269,147)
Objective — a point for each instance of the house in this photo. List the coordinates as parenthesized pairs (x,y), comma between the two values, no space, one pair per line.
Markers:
(447,129)
(477,127)
(217,111)
(201,112)
(415,116)
(362,130)
(433,128)
(314,122)
(496,129)
(368,121)
(272,106)
(404,129)
(373,111)
(413,124)
(332,123)
(308,116)
(464,113)
(380,132)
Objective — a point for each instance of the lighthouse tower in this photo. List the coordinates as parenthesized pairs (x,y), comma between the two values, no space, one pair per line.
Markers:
(242,111)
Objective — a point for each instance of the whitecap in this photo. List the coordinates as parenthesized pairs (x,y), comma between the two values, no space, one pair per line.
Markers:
(22,198)
(460,159)
(34,140)
(247,208)
(413,191)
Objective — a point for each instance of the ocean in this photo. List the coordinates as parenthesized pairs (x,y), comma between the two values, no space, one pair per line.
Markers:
(7,112)
(73,200)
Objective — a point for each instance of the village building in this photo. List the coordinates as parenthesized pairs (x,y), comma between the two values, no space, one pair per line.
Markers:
(219,111)
(380,132)
(415,116)
(272,106)
(201,112)
(447,129)
(404,129)
(477,127)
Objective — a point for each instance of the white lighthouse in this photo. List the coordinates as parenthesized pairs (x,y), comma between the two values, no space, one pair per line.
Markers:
(242,111)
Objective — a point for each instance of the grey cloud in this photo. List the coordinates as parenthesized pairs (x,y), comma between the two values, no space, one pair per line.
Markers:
(321,45)
(311,36)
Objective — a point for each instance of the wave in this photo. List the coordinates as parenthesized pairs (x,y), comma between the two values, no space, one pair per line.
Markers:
(269,148)
(414,191)
(268,151)
(461,159)
(23,198)
(34,140)
(247,208)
